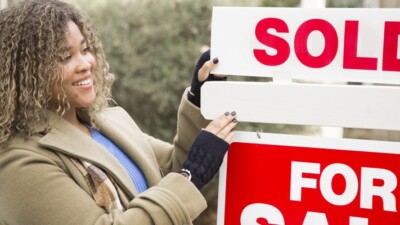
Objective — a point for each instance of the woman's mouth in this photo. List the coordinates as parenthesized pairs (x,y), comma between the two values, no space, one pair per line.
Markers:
(83,82)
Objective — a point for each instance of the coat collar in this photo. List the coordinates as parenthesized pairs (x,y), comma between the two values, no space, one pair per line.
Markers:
(65,138)
(116,124)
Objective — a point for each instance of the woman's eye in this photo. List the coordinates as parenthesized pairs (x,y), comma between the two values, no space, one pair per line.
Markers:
(66,58)
(86,49)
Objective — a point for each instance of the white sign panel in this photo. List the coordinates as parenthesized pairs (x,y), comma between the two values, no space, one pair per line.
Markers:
(318,44)
(357,106)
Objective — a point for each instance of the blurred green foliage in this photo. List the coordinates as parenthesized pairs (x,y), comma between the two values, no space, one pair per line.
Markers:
(344,3)
(296,3)
(280,3)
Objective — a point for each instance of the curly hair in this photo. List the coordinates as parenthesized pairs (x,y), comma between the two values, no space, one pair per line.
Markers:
(32,39)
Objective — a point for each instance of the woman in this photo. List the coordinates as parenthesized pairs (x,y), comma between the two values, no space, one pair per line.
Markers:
(66,157)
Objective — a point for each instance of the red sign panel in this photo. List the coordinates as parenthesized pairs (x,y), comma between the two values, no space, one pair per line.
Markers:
(275,184)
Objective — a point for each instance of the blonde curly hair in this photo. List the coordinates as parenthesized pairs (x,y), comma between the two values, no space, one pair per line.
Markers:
(32,39)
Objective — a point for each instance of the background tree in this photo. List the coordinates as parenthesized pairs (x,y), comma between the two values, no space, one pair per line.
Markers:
(280,3)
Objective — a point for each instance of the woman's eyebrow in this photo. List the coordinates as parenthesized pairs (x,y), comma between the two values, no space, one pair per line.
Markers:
(66,49)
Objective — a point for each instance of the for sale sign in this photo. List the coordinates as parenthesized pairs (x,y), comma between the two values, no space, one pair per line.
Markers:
(295,180)
(323,44)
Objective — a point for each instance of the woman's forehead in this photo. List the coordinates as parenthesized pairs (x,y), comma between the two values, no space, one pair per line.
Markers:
(74,35)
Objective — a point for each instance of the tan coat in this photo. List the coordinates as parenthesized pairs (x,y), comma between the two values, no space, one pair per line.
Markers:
(39,185)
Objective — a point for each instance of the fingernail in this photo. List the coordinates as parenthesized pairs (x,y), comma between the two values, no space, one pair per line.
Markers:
(227,113)
(215,60)
(234,120)
(233,113)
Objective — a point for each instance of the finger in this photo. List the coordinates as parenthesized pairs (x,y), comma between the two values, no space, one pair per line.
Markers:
(204,71)
(220,123)
(216,125)
(225,132)
(229,138)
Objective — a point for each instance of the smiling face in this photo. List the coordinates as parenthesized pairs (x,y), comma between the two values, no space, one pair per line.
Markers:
(78,65)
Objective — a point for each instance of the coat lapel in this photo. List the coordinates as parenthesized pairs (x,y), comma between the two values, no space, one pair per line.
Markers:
(67,139)
(119,127)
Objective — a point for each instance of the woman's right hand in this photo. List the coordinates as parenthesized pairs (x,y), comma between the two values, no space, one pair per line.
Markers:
(223,126)
(209,148)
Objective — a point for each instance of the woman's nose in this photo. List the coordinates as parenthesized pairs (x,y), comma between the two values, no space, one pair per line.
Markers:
(84,62)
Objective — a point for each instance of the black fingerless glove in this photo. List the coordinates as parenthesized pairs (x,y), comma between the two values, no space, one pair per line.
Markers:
(205,158)
(194,94)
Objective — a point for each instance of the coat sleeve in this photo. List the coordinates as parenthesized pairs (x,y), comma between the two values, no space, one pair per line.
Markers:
(36,190)
(190,121)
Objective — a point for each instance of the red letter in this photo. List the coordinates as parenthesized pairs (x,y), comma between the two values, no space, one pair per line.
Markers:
(350,58)
(331,43)
(281,46)
(390,46)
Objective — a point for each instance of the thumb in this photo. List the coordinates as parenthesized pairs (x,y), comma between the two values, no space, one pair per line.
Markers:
(204,71)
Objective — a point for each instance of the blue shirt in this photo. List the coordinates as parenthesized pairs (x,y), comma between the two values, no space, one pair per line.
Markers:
(133,170)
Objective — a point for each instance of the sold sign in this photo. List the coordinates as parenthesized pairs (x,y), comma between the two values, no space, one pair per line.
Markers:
(323,44)
(271,179)
(309,181)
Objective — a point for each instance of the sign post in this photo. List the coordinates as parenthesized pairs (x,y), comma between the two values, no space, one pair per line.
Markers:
(302,180)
